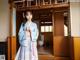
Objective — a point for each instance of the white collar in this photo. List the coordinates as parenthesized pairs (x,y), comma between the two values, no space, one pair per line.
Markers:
(28,23)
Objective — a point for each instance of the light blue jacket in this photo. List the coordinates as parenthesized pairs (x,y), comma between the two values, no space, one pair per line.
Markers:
(34,32)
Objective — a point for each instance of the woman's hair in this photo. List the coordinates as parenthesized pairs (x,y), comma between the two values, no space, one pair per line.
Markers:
(24,16)
(29,12)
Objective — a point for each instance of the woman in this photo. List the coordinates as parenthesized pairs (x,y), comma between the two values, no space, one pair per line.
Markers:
(28,35)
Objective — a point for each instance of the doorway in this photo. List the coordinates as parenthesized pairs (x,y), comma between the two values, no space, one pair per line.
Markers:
(43,19)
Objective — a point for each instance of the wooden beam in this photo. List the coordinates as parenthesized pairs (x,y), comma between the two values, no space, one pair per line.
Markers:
(53,6)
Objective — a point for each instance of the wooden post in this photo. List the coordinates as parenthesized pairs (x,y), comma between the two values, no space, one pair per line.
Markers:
(28,3)
(43,2)
(53,30)
(11,41)
(23,3)
(36,2)
(50,2)
(56,1)
(39,2)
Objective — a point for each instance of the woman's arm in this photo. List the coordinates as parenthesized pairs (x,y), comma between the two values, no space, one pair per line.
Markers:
(34,33)
(21,34)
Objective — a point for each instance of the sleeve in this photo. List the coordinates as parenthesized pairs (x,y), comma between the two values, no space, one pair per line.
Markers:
(34,33)
(21,34)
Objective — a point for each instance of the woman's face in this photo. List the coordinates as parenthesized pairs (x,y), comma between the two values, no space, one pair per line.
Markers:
(29,16)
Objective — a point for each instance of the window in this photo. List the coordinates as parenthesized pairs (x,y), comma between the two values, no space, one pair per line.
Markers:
(46,28)
(65,30)
(42,28)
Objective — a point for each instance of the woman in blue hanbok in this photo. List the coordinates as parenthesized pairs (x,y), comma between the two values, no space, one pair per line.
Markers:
(28,35)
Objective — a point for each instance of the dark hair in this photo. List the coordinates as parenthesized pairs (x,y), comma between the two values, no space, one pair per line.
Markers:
(28,11)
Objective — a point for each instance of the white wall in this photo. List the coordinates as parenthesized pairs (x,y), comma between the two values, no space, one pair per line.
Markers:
(4,20)
(74,0)
(75,19)
(14,22)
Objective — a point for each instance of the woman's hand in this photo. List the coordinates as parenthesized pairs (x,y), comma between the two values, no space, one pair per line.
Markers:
(27,33)
(28,30)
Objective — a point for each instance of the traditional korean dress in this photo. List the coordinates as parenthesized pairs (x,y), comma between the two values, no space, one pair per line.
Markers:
(28,42)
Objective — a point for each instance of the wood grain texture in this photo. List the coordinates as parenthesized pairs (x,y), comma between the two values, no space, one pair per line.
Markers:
(46,57)
(11,48)
(76,42)
(61,58)
(61,46)
(58,24)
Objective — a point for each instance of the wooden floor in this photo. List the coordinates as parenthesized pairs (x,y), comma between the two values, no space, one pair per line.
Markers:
(51,57)
(46,57)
